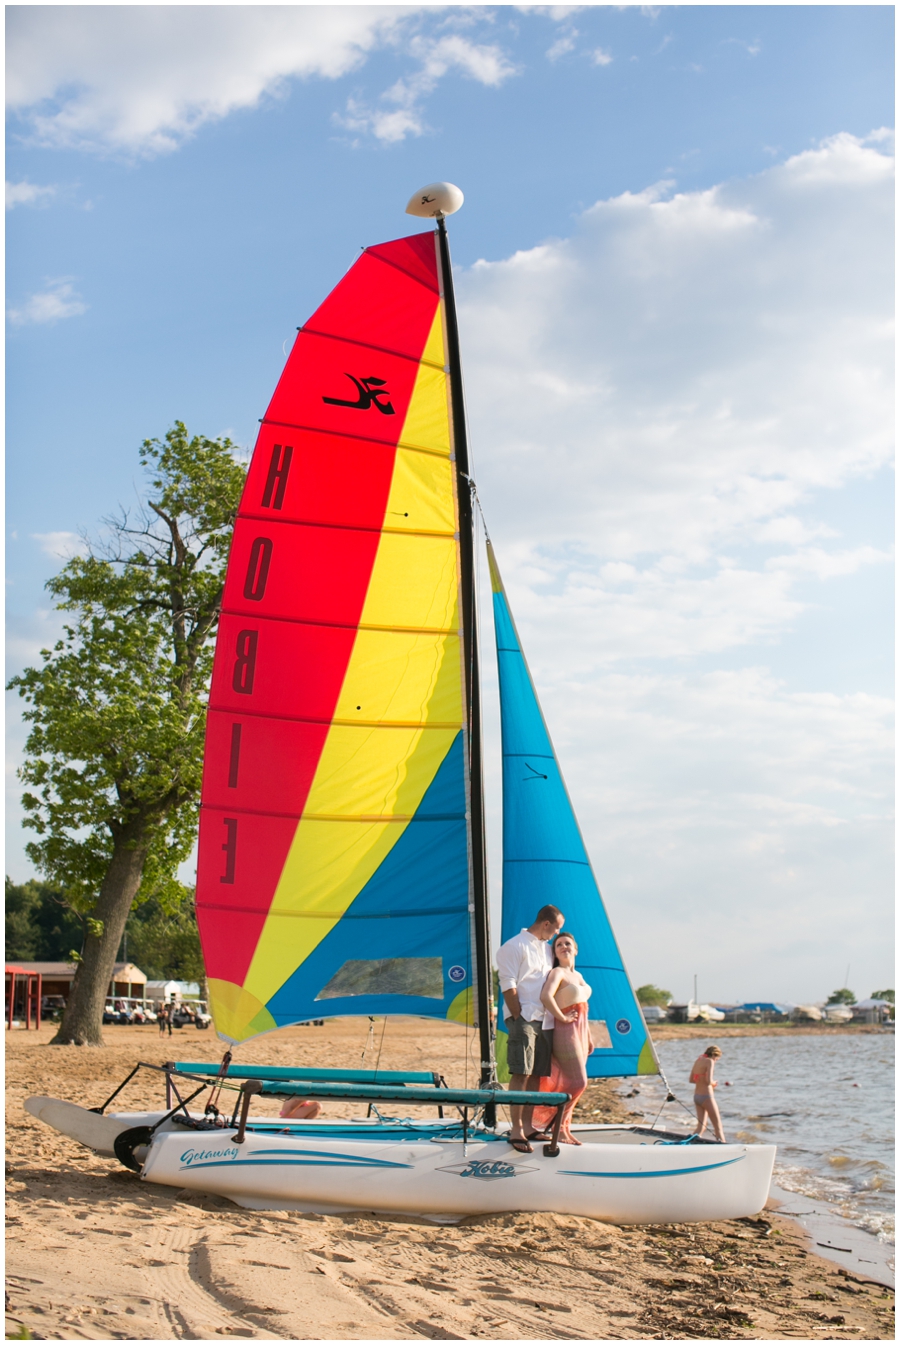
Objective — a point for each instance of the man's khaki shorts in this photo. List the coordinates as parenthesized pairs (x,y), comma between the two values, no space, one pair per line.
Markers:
(530,1047)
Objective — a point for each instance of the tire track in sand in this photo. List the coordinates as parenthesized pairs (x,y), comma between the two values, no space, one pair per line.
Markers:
(188,1307)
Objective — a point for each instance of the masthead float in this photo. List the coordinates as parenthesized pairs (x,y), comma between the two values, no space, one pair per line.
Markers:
(341,865)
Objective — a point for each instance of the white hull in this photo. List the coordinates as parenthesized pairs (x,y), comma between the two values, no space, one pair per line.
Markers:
(619,1175)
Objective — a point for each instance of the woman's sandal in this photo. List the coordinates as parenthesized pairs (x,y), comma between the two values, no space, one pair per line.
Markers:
(520,1146)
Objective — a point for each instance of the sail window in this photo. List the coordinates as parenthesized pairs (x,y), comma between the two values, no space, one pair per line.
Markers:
(599,1034)
(421,976)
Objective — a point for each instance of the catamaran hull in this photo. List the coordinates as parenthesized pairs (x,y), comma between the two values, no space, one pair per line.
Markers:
(619,1175)
(619,1183)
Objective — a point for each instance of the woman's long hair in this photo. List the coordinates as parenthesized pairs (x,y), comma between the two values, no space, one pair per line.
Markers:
(563,934)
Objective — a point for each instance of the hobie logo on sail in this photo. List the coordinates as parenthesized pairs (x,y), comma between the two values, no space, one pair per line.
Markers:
(370,390)
(487,1172)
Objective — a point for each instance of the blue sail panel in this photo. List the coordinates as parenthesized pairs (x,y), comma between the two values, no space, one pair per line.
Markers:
(545,861)
(403,945)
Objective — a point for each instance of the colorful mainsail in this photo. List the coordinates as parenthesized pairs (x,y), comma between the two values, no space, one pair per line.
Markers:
(544,860)
(333,871)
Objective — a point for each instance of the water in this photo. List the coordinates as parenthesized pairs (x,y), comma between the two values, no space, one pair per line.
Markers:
(826,1101)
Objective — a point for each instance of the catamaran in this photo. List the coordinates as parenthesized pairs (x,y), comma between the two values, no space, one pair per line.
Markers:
(341,865)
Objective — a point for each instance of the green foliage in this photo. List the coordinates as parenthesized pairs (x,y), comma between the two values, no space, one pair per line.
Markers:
(883,994)
(117,710)
(841,997)
(651,994)
(40,926)
(165,943)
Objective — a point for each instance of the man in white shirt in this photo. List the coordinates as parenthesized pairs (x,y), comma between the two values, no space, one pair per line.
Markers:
(523,963)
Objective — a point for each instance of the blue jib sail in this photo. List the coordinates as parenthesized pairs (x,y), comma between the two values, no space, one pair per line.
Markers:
(544,861)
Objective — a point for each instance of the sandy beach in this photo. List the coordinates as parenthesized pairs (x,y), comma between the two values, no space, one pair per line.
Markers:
(94,1254)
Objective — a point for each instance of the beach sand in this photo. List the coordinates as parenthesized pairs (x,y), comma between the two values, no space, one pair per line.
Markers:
(93,1253)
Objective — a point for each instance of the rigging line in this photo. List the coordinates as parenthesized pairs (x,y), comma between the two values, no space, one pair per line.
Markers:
(381,1043)
(670,1096)
(474,489)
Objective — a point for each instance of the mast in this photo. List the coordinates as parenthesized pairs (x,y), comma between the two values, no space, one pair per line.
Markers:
(483,980)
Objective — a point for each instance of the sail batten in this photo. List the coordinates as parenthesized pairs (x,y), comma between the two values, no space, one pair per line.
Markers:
(403,444)
(335,786)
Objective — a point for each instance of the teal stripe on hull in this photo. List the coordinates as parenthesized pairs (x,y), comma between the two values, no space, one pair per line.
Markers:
(669,1172)
(287,1163)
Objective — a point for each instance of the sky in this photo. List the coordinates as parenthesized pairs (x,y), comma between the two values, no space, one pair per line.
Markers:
(674,276)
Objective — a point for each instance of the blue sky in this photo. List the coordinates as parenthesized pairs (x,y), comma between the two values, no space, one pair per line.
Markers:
(674,272)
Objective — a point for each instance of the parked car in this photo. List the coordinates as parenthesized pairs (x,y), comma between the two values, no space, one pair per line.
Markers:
(189,1013)
(127,1011)
(654,1013)
(52,1007)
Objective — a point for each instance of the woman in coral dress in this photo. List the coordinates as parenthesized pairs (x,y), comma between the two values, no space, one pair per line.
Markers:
(564,997)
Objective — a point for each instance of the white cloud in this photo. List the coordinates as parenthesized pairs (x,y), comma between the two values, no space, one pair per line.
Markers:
(601,57)
(60,545)
(562,46)
(687,368)
(141,79)
(399,112)
(843,159)
(59,299)
(751,48)
(27,193)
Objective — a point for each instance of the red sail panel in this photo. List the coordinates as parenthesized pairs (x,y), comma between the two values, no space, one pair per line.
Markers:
(304,546)
(334,480)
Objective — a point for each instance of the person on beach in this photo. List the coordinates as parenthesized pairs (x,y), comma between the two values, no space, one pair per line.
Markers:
(565,996)
(523,963)
(704,1083)
(162,1019)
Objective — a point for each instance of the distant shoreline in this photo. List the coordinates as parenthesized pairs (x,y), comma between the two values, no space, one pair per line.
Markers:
(672,1031)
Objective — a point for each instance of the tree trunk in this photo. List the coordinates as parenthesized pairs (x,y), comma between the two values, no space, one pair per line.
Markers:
(82,1022)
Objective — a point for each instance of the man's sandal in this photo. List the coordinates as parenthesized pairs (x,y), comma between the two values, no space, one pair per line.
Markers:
(520,1146)
(541,1136)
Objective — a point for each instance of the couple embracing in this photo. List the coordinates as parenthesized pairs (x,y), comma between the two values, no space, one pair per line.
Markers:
(545,1007)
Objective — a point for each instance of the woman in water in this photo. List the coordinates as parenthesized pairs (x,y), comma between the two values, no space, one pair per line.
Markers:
(564,996)
(704,1083)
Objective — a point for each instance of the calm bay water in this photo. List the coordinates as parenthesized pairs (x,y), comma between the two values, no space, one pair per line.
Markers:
(826,1101)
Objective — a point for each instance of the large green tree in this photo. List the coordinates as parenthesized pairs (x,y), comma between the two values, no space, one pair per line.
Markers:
(40,924)
(117,709)
(844,996)
(651,994)
(164,941)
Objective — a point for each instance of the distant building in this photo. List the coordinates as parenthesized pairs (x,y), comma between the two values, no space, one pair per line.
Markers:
(872,1011)
(172,991)
(57,977)
(758,1011)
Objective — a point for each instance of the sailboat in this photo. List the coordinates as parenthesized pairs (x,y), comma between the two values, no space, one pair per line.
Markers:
(342,864)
